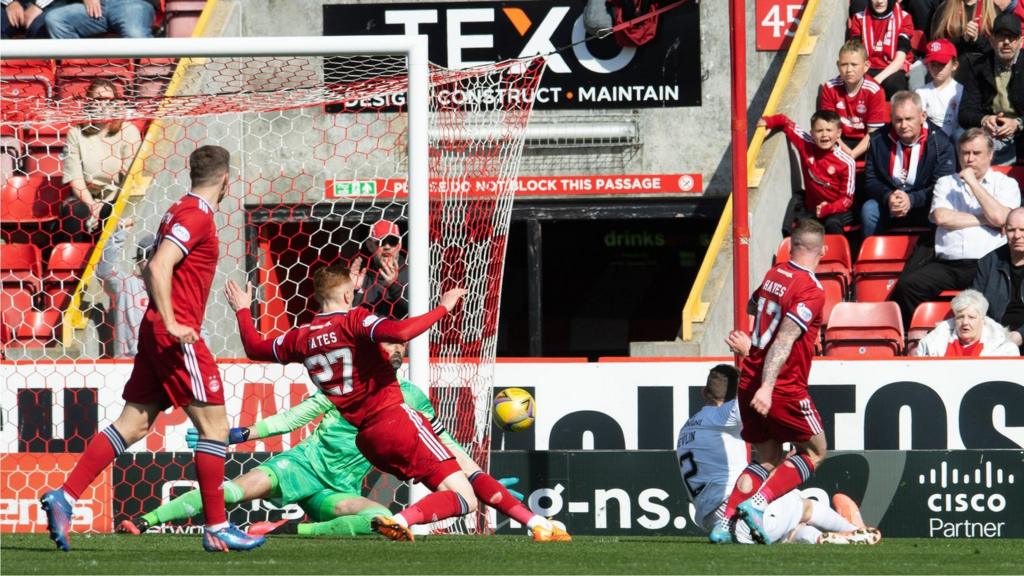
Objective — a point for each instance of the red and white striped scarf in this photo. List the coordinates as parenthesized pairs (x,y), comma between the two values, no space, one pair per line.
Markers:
(904,159)
(893,26)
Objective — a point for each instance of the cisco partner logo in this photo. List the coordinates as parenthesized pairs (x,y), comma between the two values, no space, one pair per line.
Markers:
(972,492)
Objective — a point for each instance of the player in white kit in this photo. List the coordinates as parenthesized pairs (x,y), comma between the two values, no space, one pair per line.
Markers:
(711,457)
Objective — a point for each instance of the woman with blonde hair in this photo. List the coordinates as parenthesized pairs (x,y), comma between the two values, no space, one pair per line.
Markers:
(967,23)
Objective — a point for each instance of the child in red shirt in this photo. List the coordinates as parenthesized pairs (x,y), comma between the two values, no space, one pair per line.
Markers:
(885,29)
(828,172)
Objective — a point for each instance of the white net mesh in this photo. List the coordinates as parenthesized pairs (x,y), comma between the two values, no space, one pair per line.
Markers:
(319,148)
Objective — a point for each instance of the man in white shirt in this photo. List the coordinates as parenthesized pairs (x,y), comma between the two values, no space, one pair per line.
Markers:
(969,210)
(712,455)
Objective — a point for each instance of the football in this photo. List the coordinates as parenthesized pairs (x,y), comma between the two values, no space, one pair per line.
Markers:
(513,409)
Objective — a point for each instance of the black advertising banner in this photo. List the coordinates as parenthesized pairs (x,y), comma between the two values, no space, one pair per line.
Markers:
(919,494)
(665,72)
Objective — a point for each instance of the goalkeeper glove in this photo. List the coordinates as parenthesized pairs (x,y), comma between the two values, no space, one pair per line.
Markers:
(512,481)
(235,436)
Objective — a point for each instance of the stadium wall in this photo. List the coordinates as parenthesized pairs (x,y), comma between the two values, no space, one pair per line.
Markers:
(772,183)
(667,142)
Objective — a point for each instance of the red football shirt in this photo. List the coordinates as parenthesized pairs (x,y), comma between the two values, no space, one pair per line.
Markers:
(864,109)
(790,291)
(883,37)
(344,361)
(189,225)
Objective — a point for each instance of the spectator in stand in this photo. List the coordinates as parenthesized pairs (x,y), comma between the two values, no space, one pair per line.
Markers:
(968,25)
(381,284)
(97,156)
(23,16)
(127,292)
(126,18)
(828,172)
(904,161)
(994,90)
(856,97)
(1001,278)
(969,210)
(969,333)
(922,11)
(885,29)
(941,96)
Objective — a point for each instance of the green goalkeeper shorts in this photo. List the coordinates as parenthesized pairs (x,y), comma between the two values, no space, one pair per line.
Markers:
(297,481)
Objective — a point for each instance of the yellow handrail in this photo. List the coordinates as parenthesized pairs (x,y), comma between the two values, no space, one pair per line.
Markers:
(695,308)
(135,184)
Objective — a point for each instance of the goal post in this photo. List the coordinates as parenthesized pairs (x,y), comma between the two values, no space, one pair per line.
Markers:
(328,135)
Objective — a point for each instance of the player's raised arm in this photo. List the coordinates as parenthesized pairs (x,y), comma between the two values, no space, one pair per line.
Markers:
(403,330)
(256,348)
(157,276)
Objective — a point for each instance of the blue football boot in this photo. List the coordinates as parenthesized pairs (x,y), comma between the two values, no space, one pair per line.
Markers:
(230,538)
(720,535)
(755,519)
(58,517)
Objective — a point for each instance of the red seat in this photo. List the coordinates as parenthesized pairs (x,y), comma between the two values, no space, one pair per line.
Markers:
(834,265)
(24,83)
(16,302)
(152,76)
(20,266)
(947,295)
(45,143)
(182,16)
(864,330)
(67,261)
(879,263)
(31,329)
(21,202)
(926,317)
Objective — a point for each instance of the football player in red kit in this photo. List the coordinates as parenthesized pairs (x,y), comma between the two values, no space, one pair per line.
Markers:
(340,349)
(173,366)
(773,401)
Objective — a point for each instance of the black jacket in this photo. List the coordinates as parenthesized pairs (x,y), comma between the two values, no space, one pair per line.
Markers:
(978,76)
(993,280)
(938,160)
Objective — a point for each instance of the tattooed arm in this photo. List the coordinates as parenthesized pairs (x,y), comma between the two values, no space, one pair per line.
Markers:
(777,354)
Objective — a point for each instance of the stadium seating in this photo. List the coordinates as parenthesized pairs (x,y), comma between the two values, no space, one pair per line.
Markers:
(31,329)
(864,330)
(182,16)
(20,266)
(45,145)
(926,316)
(834,265)
(75,75)
(152,76)
(23,203)
(879,263)
(24,82)
(63,270)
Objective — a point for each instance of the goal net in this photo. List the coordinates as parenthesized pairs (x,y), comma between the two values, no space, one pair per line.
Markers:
(321,158)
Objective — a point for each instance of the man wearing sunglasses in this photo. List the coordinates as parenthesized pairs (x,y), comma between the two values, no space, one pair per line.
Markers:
(994,91)
(381,283)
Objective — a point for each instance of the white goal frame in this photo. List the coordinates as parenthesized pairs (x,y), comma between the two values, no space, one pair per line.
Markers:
(413,48)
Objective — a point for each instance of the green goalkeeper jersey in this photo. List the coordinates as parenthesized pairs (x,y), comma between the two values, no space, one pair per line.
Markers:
(331,449)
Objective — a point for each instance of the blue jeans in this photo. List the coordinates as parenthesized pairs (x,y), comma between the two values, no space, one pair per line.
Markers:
(127,18)
(870,215)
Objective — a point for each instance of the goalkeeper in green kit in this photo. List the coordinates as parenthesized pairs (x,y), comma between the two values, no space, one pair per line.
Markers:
(323,474)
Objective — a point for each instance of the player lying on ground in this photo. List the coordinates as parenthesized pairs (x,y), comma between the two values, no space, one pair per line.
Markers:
(324,474)
(712,456)
(340,351)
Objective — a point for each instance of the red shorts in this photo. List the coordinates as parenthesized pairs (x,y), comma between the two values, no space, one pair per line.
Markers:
(788,420)
(399,440)
(169,373)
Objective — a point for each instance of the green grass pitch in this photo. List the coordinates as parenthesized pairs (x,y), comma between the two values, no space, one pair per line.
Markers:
(165,554)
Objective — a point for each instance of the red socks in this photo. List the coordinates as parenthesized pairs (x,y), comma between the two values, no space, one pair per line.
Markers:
(209,462)
(757,475)
(796,470)
(492,493)
(100,452)
(434,507)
